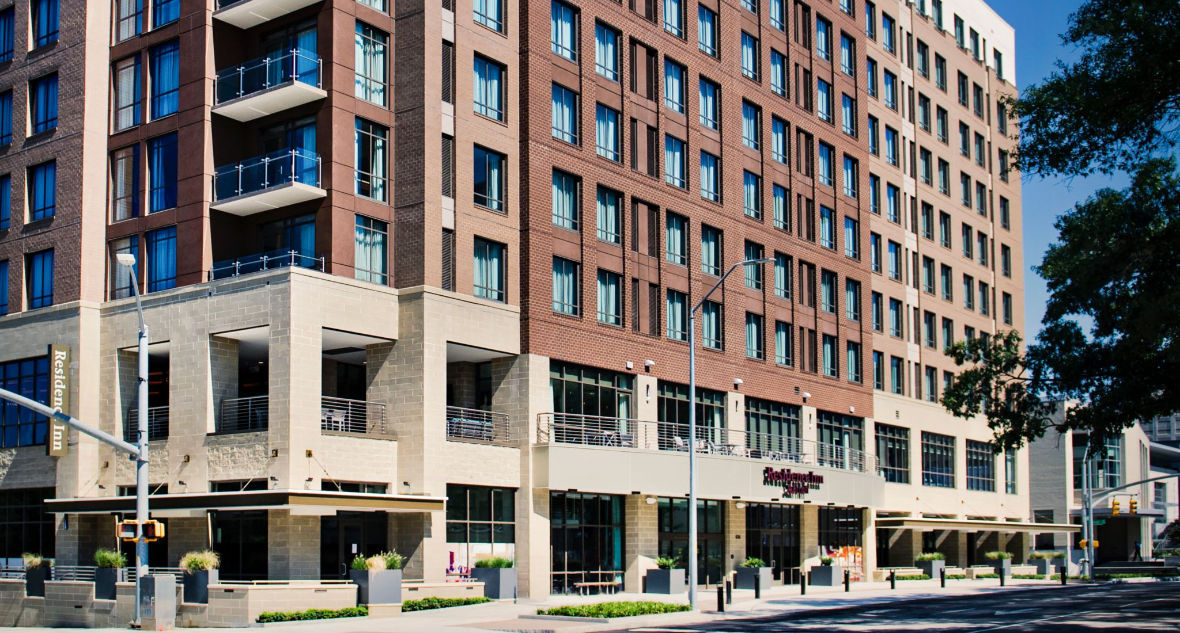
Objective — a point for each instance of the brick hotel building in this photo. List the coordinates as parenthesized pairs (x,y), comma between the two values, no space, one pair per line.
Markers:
(422,279)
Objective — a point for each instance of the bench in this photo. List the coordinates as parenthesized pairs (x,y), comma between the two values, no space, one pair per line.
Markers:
(583,587)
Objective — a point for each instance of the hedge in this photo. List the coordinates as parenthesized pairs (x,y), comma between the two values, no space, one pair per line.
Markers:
(1027,576)
(313,614)
(915,577)
(956,576)
(615,609)
(441,603)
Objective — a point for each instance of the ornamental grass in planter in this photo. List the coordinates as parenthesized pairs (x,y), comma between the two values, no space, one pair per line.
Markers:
(110,571)
(498,576)
(1047,562)
(38,569)
(931,563)
(752,570)
(200,571)
(667,578)
(378,578)
(1001,561)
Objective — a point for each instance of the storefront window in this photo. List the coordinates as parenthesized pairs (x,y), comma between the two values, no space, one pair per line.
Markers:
(585,538)
(772,426)
(25,526)
(673,415)
(481,523)
(893,452)
(840,535)
(772,534)
(673,526)
(581,390)
(241,540)
(840,431)
(981,466)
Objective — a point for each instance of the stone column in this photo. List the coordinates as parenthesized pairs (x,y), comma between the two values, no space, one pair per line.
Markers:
(808,534)
(641,540)
(735,538)
(293,546)
(646,409)
(868,543)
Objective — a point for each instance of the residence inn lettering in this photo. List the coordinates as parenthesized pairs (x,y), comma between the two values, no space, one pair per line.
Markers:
(59,398)
(792,483)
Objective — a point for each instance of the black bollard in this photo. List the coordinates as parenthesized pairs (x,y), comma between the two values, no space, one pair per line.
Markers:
(728,592)
(893,579)
(721,598)
(1063,576)
(847,581)
(1001,577)
(942,577)
(802,583)
(757,586)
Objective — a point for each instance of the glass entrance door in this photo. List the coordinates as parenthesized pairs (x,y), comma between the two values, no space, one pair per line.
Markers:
(772,534)
(348,535)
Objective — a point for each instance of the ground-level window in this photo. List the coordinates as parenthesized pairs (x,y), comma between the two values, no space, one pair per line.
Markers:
(772,534)
(585,538)
(840,537)
(25,526)
(481,523)
(673,528)
(240,538)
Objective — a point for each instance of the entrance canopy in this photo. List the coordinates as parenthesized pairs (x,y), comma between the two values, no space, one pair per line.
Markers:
(926,524)
(300,502)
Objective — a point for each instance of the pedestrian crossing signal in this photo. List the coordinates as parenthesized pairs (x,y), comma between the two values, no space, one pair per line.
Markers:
(152,530)
(127,531)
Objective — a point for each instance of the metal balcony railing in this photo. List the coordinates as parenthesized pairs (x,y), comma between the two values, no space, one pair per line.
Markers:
(352,416)
(253,175)
(242,415)
(264,261)
(157,424)
(256,75)
(588,430)
(479,426)
(78,573)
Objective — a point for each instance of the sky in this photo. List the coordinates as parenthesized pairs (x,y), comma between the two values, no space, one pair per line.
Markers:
(1038,25)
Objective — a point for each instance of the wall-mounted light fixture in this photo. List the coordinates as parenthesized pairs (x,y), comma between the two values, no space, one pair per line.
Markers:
(650,501)
(648,364)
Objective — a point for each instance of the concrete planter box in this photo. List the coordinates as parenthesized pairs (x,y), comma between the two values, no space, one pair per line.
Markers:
(1047,566)
(1003,566)
(377,586)
(104,581)
(35,578)
(499,583)
(827,575)
(665,581)
(746,576)
(932,568)
(196,585)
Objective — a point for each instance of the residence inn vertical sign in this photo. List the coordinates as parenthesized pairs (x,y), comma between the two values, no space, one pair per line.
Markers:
(59,398)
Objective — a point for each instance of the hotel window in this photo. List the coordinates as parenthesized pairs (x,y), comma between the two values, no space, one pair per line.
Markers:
(944,177)
(488,91)
(927,275)
(162,172)
(778,14)
(981,466)
(948,334)
(707,30)
(565,200)
(606,132)
(778,73)
(754,336)
(827,291)
(871,20)
(890,84)
(938,460)
(925,168)
(610,298)
(875,252)
(982,246)
(676,239)
(711,325)
(165,79)
(847,55)
(782,275)
(851,176)
(127,93)
(977,97)
(940,72)
(1002,117)
(677,315)
(371,159)
(480,522)
(128,19)
(930,380)
(566,282)
(852,350)
(489,13)
(778,139)
(606,51)
(827,227)
(968,242)
(7,34)
(878,371)
(371,64)
(674,79)
(752,195)
(124,183)
(851,238)
(964,91)
(43,103)
(871,76)
(121,284)
(852,300)
(750,56)
(674,17)
(893,203)
(489,280)
(944,229)
(960,32)
(609,211)
(6,118)
(929,334)
(751,125)
(564,31)
(823,98)
(710,250)
(167,11)
(21,427)
(565,114)
(968,292)
(936,13)
(923,59)
(893,451)
(984,298)
(980,151)
(941,123)
(780,199)
(823,39)
(877,308)
(826,164)
(3,287)
(710,177)
(891,146)
(896,375)
(830,362)
(924,112)
(753,272)
(896,327)
(42,191)
(489,178)
(709,102)
(1004,166)
(750,5)
(39,279)
(888,33)
(1006,307)
(784,351)
(848,115)
(371,250)
(1005,213)
(161,259)
(874,131)
(1010,471)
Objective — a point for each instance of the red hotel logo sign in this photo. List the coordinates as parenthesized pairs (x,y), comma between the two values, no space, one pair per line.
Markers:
(792,483)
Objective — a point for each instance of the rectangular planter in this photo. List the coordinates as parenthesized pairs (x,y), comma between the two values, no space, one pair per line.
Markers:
(746,575)
(104,581)
(827,575)
(1046,566)
(665,581)
(499,583)
(35,578)
(196,585)
(1003,566)
(375,586)
(932,568)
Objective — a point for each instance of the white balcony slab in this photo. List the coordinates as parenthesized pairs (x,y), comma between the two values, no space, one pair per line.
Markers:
(269,199)
(266,102)
(250,13)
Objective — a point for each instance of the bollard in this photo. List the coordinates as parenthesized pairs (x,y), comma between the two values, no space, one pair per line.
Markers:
(721,598)
(757,586)
(728,592)
(1064,575)
(893,579)
(1001,577)
(942,577)
(847,581)
(802,583)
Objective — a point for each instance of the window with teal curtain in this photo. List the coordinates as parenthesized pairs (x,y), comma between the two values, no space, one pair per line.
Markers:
(43,103)
(754,347)
(488,89)
(564,30)
(488,175)
(372,64)
(710,188)
(608,216)
(610,292)
(565,200)
(676,231)
(752,195)
(753,271)
(4,287)
(674,162)
(489,13)
(711,328)
(164,12)
(565,286)
(710,250)
(782,208)
(5,203)
(489,274)
(674,86)
(782,275)
(39,287)
(677,315)
(565,114)
(606,132)
(371,263)
(674,17)
(782,343)
(606,51)
(7,33)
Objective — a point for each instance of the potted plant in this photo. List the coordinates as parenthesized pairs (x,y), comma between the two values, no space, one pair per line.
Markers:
(1001,562)
(1048,562)
(378,578)
(666,578)
(828,573)
(38,569)
(498,577)
(931,563)
(751,568)
(110,571)
(200,571)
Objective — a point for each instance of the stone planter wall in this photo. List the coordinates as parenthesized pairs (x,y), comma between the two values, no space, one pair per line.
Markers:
(746,575)
(499,583)
(827,575)
(374,586)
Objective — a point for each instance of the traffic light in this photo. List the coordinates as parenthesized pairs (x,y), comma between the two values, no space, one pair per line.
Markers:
(1134,506)
(1082,543)
(1114,508)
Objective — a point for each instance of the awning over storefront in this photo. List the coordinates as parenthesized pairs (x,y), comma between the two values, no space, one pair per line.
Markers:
(969,525)
(300,502)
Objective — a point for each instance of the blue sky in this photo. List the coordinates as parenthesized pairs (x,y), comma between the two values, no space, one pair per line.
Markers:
(1038,25)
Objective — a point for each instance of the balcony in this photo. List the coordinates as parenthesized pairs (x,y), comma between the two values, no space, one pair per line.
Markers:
(480,427)
(157,424)
(267,85)
(246,14)
(243,415)
(355,417)
(268,182)
(268,260)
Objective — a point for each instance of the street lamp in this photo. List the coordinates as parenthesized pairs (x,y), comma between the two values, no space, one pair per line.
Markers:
(127,261)
(692,427)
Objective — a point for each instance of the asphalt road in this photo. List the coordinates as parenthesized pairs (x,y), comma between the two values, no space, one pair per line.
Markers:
(1102,608)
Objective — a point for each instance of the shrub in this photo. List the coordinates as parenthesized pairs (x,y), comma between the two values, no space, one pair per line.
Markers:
(33,561)
(615,609)
(109,558)
(1027,576)
(956,576)
(982,576)
(1049,555)
(753,561)
(826,561)
(358,562)
(495,562)
(998,555)
(441,603)
(312,614)
(200,561)
(375,563)
(393,560)
(666,562)
(928,556)
(915,577)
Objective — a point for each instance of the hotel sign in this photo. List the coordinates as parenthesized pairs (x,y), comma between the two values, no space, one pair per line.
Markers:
(792,483)
(59,399)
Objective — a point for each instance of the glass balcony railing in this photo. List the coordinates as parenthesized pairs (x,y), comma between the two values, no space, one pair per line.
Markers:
(269,260)
(263,73)
(287,166)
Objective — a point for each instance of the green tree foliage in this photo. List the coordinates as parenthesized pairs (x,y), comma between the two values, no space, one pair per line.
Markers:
(1119,102)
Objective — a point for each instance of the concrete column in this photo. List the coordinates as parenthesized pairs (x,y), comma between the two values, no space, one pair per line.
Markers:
(735,416)
(645,408)
(807,428)
(293,545)
(808,535)
(904,547)
(868,543)
(223,377)
(735,538)
(523,395)
(186,535)
(641,539)
(955,548)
